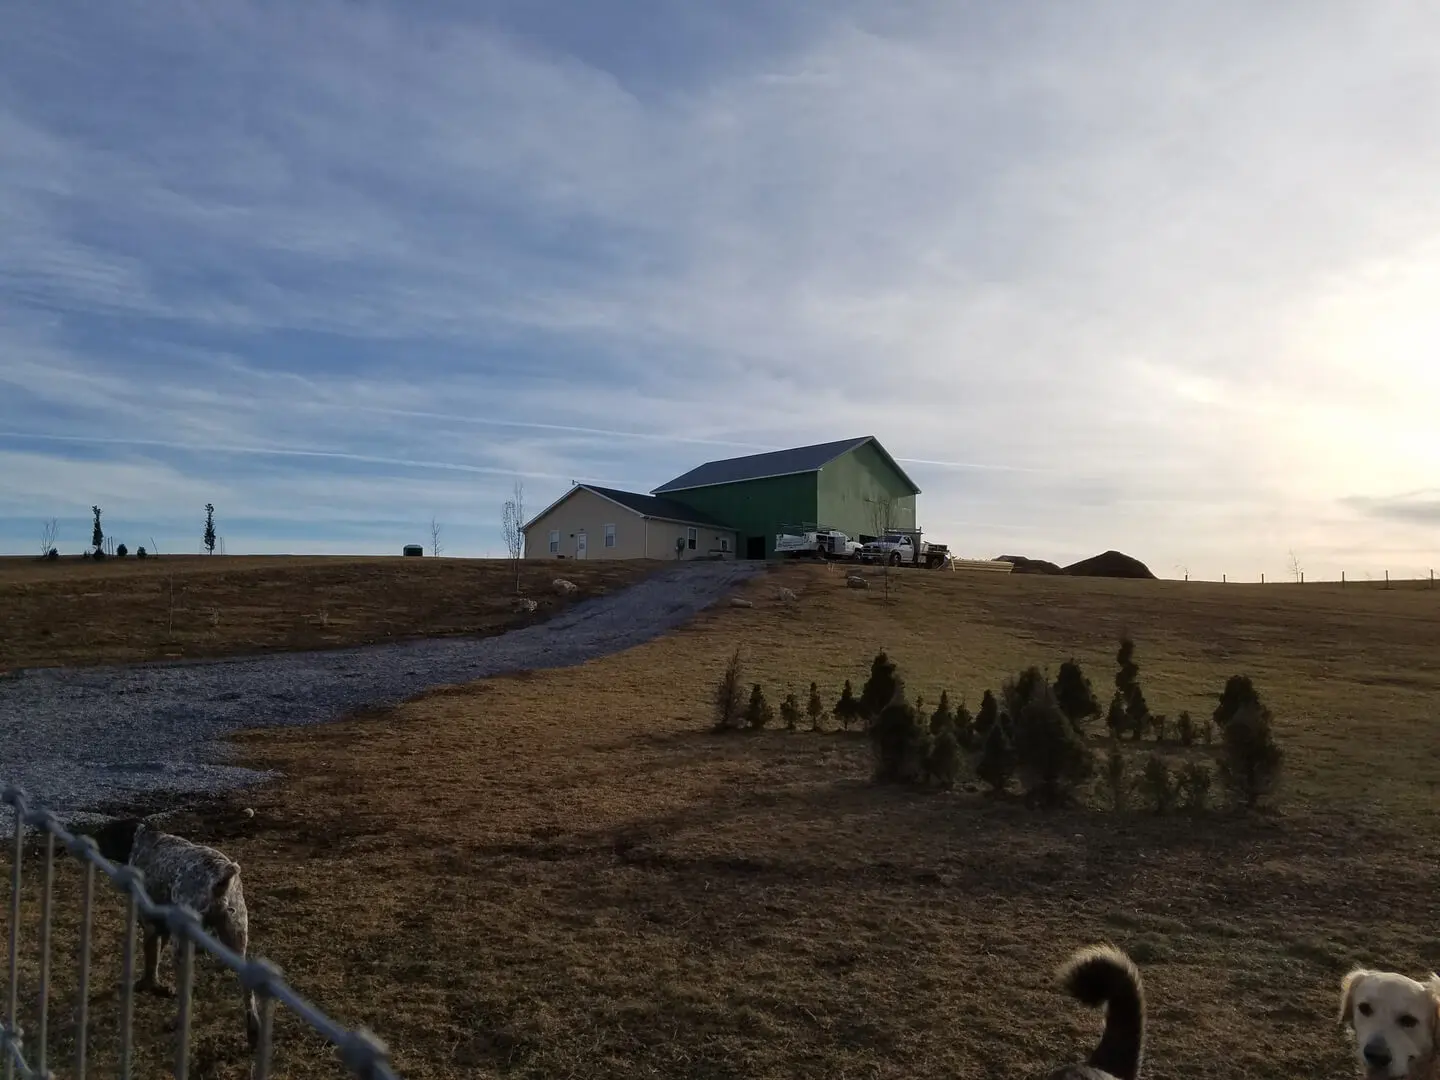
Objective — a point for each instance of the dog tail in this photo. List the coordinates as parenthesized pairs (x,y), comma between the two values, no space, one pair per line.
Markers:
(1103,975)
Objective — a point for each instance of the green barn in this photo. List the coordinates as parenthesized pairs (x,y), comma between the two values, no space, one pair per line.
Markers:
(853,485)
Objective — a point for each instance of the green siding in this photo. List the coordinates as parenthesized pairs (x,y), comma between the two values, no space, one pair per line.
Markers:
(756,507)
(851,486)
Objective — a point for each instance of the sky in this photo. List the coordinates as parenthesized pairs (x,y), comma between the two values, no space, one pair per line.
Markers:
(1100,274)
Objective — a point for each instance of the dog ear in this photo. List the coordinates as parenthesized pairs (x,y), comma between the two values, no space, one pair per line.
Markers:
(1347,994)
(223,879)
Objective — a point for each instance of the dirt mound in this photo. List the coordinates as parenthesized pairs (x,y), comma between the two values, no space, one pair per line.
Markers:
(1110,564)
(1022,565)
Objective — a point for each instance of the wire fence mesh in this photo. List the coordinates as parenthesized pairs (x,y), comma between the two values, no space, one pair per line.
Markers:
(24,1055)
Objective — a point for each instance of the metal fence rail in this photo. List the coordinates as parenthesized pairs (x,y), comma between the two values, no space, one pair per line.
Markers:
(360,1050)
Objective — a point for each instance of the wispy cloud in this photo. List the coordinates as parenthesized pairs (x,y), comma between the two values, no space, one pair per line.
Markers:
(1157,277)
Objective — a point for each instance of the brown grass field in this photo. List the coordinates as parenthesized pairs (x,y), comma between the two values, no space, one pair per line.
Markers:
(121,611)
(565,874)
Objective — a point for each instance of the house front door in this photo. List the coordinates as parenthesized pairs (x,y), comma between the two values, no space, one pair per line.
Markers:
(580,545)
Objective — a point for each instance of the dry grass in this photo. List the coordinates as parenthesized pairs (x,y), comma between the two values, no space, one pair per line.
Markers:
(565,874)
(119,611)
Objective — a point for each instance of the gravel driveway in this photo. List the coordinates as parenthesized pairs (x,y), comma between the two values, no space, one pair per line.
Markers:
(78,738)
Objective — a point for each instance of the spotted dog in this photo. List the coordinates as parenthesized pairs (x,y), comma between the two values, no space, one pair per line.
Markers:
(179,871)
(1103,975)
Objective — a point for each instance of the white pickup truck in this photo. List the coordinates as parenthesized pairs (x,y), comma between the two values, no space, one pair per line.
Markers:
(793,541)
(902,549)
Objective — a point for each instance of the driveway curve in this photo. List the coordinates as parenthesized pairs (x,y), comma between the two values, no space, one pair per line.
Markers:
(80,738)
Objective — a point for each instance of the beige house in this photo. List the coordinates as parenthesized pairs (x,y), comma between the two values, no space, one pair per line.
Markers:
(590,522)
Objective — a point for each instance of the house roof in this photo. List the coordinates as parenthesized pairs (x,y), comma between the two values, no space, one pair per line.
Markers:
(802,459)
(647,506)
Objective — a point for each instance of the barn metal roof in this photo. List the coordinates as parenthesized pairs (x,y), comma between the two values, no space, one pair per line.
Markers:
(652,507)
(645,505)
(802,459)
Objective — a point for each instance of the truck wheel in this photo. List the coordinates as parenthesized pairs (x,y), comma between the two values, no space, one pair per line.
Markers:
(894,558)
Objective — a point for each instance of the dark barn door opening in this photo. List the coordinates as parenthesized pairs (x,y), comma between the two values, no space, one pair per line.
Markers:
(754,547)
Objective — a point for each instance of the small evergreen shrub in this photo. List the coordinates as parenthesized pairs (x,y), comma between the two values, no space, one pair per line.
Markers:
(1185,729)
(121,551)
(900,744)
(141,553)
(1251,761)
(964,728)
(1051,756)
(1115,719)
(847,708)
(987,718)
(943,718)
(758,712)
(996,763)
(1117,778)
(1074,694)
(1239,692)
(882,689)
(790,712)
(945,761)
(1196,780)
(730,695)
(1127,682)
(814,708)
(1158,784)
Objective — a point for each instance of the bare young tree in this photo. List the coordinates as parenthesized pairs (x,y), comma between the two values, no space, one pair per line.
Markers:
(50,530)
(513,521)
(1296,570)
(882,513)
(435,548)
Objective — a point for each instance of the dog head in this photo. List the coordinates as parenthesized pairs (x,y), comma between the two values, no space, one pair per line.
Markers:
(116,839)
(1395,1019)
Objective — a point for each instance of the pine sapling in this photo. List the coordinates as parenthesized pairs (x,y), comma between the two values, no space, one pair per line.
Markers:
(790,712)
(1158,783)
(847,708)
(996,764)
(758,712)
(988,716)
(814,708)
(1115,718)
(1185,729)
(1117,777)
(730,695)
(1075,694)
(883,688)
(1196,780)
(943,717)
(944,763)
(964,728)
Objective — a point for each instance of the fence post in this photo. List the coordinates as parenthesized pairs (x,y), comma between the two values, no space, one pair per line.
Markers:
(47,889)
(1387,579)
(84,849)
(1342,578)
(1262,579)
(1222,579)
(12,1025)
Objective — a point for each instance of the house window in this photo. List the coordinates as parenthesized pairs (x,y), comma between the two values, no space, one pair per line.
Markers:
(724,543)
(690,537)
(609,535)
(554,541)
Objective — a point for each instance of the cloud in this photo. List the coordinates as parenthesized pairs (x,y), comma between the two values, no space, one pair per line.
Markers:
(1143,276)
(1413,508)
